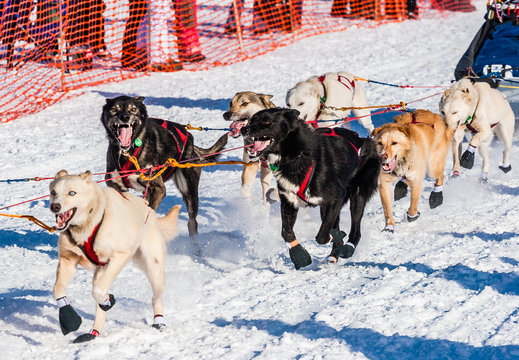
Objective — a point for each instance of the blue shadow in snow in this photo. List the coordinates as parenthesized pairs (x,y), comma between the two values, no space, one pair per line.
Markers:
(169,102)
(30,241)
(375,345)
(504,283)
(18,301)
(507,235)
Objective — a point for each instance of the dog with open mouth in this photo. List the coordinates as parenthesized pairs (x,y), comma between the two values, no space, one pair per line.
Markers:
(323,167)
(152,142)
(241,108)
(414,144)
(102,230)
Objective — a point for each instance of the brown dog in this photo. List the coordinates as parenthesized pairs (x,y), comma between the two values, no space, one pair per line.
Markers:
(241,108)
(415,143)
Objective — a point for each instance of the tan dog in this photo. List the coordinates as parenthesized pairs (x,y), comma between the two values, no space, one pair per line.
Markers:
(102,229)
(243,105)
(478,109)
(415,143)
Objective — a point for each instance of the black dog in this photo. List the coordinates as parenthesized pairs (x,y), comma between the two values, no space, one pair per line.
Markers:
(152,141)
(322,167)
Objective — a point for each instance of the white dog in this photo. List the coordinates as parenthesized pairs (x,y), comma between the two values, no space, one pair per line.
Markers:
(102,229)
(321,97)
(478,109)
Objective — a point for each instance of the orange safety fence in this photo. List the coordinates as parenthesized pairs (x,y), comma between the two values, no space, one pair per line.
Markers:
(50,47)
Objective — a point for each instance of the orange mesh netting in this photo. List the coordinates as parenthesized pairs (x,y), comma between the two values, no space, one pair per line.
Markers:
(51,47)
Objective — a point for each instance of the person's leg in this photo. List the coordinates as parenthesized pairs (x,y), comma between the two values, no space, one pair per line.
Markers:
(187,34)
(137,11)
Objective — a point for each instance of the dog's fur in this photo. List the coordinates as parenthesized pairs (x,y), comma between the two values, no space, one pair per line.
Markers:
(338,90)
(125,120)
(485,107)
(128,230)
(414,144)
(340,174)
(241,108)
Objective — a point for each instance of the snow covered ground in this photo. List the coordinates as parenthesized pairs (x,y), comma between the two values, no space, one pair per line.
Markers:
(444,287)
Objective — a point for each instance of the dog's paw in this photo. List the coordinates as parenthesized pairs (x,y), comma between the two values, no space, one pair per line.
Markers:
(108,303)
(345,251)
(69,320)
(436,199)
(159,322)
(337,235)
(505,169)
(400,190)
(413,218)
(272,196)
(331,259)
(389,228)
(299,256)
(467,159)
(86,337)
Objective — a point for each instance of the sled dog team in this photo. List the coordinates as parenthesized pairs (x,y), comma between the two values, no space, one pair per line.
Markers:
(102,229)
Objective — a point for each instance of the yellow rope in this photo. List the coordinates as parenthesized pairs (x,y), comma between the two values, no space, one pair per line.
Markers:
(401,104)
(34,220)
(509,86)
(175,163)
(189,127)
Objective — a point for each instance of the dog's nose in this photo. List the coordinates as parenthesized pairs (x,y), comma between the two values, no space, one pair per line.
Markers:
(55,207)
(124,117)
(244,130)
(383,156)
(227,115)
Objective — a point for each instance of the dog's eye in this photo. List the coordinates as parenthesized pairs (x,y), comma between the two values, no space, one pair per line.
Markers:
(454,112)
(133,110)
(301,104)
(113,111)
(72,193)
(266,122)
(244,103)
(394,143)
(53,193)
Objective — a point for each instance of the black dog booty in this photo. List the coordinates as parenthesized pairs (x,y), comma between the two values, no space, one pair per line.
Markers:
(299,256)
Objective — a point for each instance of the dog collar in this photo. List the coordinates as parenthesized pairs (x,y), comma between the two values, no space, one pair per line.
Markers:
(469,118)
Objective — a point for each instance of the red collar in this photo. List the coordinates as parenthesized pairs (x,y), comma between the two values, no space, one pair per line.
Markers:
(473,129)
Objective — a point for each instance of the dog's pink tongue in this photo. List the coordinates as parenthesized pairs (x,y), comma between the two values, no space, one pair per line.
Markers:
(235,128)
(389,166)
(258,146)
(62,218)
(125,136)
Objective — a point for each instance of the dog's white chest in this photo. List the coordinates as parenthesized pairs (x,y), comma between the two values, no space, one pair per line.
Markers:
(291,190)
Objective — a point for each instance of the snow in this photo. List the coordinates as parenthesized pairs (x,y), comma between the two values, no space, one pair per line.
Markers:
(443,287)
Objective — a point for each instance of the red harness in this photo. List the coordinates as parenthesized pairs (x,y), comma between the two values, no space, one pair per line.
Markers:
(310,172)
(418,122)
(180,142)
(323,99)
(474,131)
(88,247)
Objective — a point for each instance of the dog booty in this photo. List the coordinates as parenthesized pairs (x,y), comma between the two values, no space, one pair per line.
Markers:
(413,218)
(69,320)
(337,235)
(299,256)
(86,337)
(346,251)
(436,199)
(107,305)
(400,190)
(159,322)
(505,169)
(467,159)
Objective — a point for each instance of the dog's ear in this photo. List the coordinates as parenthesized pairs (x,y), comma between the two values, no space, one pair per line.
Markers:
(265,100)
(375,131)
(60,174)
(139,98)
(87,175)
(445,94)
